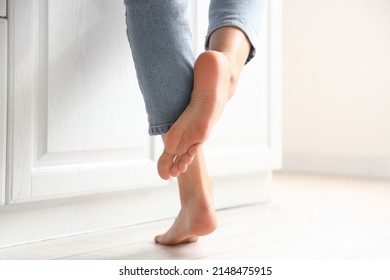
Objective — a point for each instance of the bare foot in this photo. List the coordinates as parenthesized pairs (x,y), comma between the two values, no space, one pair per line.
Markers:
(215,80)
(196,217)
(193,221)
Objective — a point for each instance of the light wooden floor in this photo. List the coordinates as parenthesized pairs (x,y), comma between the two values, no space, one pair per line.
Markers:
(309,217)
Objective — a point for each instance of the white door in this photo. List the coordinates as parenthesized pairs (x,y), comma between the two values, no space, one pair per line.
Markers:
(78,123)
(77,115)
(3,103)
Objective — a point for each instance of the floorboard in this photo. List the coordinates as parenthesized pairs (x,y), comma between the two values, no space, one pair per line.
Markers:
(309,217)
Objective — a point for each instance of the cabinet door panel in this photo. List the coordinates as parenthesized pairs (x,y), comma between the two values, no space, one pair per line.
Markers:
(78,117)
(92,98)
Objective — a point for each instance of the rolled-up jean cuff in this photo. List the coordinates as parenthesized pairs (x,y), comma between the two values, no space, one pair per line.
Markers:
(159,129)
(250,34)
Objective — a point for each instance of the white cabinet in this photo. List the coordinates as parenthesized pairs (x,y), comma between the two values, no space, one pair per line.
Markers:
(3,105)
(77,115)
(77,123)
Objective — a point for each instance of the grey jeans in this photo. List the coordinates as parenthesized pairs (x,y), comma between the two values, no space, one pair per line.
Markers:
(161,44)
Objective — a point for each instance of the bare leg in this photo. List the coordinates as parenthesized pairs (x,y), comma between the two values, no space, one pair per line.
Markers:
(216,74)
(196,216)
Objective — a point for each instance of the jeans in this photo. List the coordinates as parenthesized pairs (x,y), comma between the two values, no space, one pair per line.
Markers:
(161,44)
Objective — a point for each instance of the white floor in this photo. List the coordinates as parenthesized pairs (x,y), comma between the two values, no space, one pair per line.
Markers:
(309,217)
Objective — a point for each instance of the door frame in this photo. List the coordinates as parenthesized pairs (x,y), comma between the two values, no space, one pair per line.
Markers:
(3,108)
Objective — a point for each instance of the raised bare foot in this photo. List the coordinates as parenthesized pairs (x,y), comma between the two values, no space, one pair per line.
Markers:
(215,78)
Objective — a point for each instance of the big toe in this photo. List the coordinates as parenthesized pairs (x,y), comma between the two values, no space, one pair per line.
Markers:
(164,165)
(158,239)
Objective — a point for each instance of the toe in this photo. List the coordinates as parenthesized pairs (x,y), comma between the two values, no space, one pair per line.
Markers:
(164,165)
(157,239)
(175,171)
(193,150)
(185,161)
(183,166)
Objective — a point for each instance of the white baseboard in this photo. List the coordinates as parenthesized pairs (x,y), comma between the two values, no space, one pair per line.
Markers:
(45,220)
(376,167)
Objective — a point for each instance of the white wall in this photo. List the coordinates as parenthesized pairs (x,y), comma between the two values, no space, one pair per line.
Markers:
(337,86)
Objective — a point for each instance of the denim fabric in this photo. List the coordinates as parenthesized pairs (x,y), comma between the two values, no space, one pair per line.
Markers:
(161,44)
(243,14)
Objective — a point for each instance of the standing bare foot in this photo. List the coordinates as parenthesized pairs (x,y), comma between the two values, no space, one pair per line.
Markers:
(196,217)
(215,80)
(194,220)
